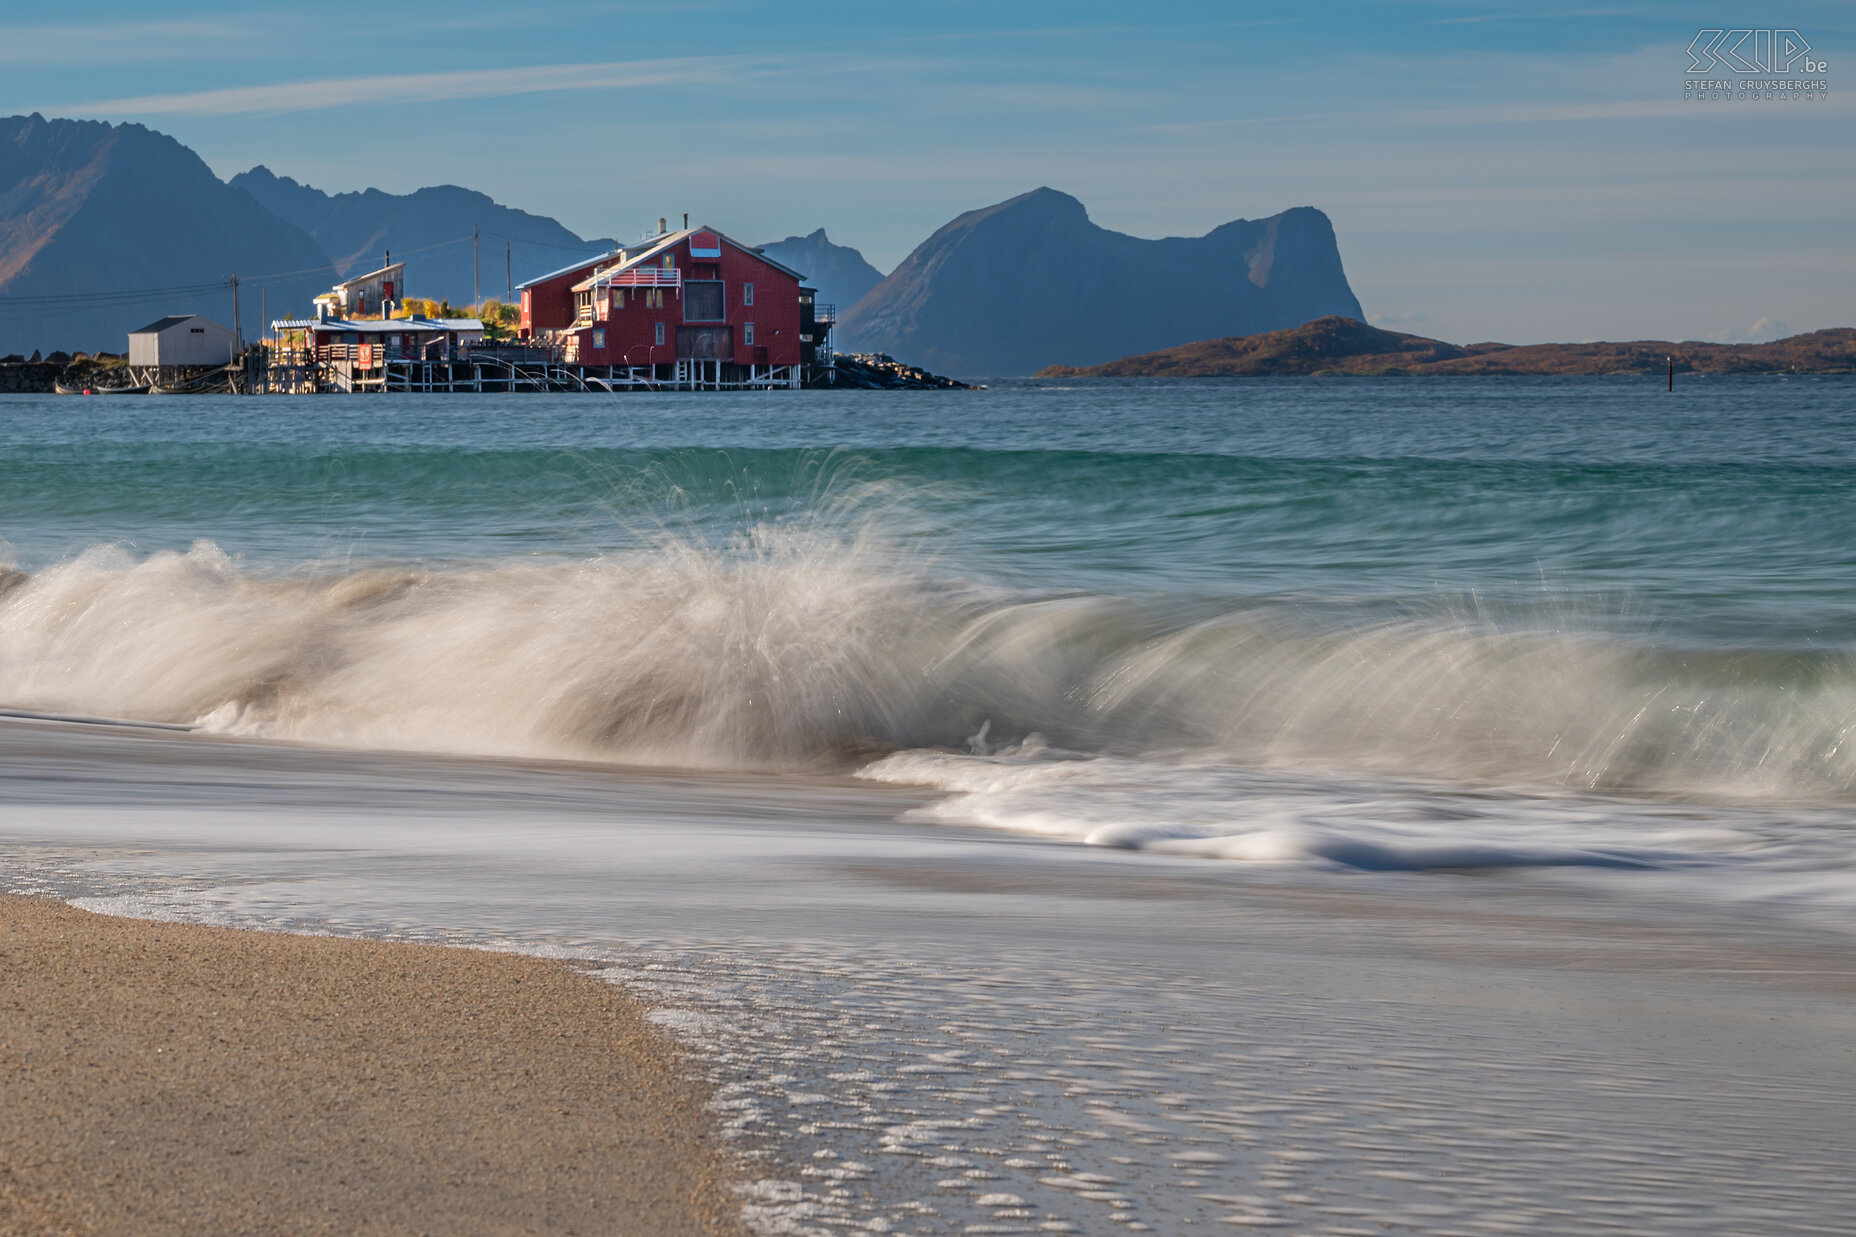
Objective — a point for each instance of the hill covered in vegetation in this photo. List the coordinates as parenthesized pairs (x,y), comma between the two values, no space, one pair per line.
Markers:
(1345,346)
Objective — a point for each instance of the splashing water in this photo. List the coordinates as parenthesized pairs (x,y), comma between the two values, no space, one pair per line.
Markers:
(1296,645)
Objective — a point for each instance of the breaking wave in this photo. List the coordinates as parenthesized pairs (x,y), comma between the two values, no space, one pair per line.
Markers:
(802,646)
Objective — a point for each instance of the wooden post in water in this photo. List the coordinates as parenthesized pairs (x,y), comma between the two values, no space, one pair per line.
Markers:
(1672,373)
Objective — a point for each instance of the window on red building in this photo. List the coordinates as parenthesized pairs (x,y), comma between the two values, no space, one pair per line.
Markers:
(747,332)
(660,334)
(747,294)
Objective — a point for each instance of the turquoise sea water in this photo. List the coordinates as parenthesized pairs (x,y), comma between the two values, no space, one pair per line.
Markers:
(1581,625)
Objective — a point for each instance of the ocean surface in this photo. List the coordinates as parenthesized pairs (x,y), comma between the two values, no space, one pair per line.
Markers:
(1336,805)
(1397,624)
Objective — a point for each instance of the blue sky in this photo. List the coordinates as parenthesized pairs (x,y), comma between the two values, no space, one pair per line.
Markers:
(1494,170)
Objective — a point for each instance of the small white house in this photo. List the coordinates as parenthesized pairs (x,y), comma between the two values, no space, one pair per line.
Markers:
(181,339)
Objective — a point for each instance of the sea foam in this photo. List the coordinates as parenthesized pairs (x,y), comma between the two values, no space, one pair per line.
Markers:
(808,646)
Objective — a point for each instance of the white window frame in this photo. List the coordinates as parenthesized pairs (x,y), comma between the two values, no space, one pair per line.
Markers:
(599,338)
(660,335)
(747,334)
(747,294)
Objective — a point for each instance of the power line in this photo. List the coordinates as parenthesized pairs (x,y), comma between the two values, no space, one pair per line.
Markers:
(104,298)
(462,240)
(185,289)
(129,296)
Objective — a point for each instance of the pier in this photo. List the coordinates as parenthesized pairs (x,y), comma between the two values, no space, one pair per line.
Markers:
(357,369)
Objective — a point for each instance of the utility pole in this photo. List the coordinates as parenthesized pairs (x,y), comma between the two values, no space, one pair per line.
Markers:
(476,280)
(238,343)
(264,327)
(509,279)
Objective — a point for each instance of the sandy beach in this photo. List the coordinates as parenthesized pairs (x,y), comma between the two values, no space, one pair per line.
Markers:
(924,1028)
(161,1078)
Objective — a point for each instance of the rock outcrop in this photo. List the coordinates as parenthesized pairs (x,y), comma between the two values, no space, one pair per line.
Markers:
(1032,282)
(28,377)
(36,377)
(878,372)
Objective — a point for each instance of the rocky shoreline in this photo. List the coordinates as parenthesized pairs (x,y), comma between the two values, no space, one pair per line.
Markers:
(878,371)
(38,375)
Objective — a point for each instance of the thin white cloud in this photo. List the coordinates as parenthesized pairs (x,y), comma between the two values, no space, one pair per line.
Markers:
(1530,15)
(1541,112)
(336,92)
(1614,109)
(39,45)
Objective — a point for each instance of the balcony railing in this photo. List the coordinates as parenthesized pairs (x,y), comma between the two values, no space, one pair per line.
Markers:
(641,277)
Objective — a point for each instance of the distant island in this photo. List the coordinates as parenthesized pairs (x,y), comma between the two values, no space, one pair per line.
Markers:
(1336,346)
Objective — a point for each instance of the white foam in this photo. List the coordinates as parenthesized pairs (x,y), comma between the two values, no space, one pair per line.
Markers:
(1239,732)
(797,644)
(1794,857)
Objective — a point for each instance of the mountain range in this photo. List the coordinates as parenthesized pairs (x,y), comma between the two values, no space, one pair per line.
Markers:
(105,227)
(431,228)
(839,273)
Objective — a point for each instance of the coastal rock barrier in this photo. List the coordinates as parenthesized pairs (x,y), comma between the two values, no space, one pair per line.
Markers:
(28,377)
(36,376)
(877,371)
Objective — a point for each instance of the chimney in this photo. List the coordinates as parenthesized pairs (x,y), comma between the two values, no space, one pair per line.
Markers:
(663,225)
(686,221)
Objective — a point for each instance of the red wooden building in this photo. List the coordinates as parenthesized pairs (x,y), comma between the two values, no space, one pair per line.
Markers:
(691,308)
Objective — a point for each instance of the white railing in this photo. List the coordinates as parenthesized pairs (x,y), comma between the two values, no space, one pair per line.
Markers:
(641,277)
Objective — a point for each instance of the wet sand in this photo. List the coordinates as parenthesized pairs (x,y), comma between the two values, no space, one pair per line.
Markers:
(948,1030)
(161,1078)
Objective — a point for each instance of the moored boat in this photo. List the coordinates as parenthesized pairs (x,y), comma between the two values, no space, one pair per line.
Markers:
(61,389)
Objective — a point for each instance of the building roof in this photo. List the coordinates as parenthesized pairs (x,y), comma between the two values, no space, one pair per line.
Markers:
(570,269)
(387,269)
(658,244)
(162,324)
